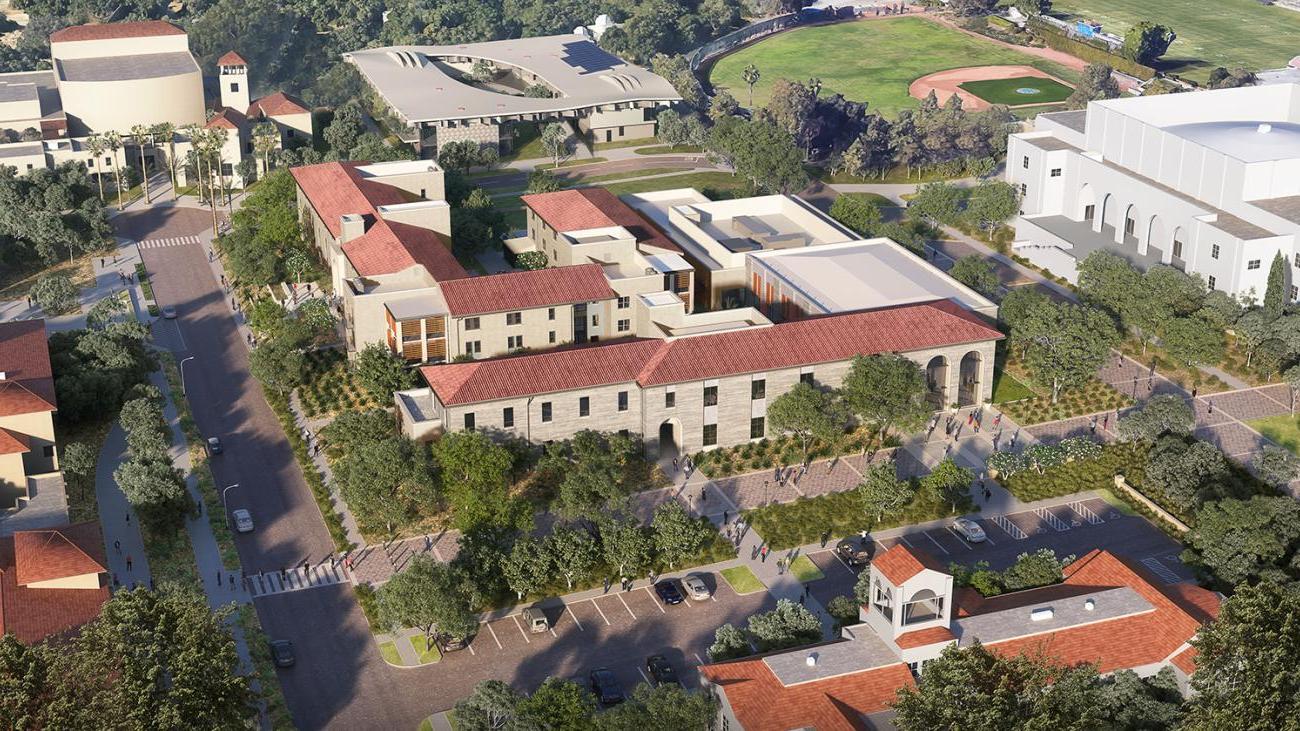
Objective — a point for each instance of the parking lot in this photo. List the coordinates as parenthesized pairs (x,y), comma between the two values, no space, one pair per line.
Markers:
(617,630)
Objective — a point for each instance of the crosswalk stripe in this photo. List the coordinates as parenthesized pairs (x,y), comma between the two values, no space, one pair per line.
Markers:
(295,579)
(1050,518)
(168,241)
(1011,529)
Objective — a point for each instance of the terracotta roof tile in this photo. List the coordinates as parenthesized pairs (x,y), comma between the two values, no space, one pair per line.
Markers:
(338,188)
(35,614)
(923,637)
(526,290)
(12,442)
(106,31)
(389,247)
(902,562)
(28,384)
(231,58)
(15,398)
(577,209)
(59,553)
(227,118)
(1186,660)
(827,339)
(277,105)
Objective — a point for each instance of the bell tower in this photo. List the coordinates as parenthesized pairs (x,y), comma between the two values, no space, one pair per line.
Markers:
(233,75)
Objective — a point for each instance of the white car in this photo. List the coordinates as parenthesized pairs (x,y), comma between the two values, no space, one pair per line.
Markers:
(243,520)
(969,529)
(695,587)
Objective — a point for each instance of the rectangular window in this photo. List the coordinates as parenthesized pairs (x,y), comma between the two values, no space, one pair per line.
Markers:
(806,378)
(710,435)
(1024,190)
(1214,251)
(469,421)
(1056,172)
(514,342)
(624,325)
(550,337)
(1089,211)
(710,395)
(758,389)
(1212,282)
(1295,293)
(550,313)
(473,347)
(622,400)
(670,399)
(234,86)
(1178,249)
(1024,162)
(546,411)
(508,417)
(1296,262)
(514,318)
(48,449)
(584,406)
(757,427)
(624,302)
(595,320)
(471,323)
(1252,264)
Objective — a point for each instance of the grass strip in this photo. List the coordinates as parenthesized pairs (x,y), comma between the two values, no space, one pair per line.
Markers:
(805,570)
(742,580)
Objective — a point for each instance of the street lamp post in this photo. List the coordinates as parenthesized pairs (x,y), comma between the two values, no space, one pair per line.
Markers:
(224,509)
(182,369)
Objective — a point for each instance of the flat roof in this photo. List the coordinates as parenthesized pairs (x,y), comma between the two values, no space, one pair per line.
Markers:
(863,651)
(415,81)
(46,88)
(1074,611)
(22,149)
(1076,120)
(864,275)
(1248,141)
(127,68)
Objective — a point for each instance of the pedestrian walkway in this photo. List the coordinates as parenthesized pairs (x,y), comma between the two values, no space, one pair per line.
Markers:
(127,563)
(326,573)
(170,241)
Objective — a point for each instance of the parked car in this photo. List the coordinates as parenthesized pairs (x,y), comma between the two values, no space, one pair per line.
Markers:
(243,520)
(668,592)
(969,529)
(661,671)
(855,551)
(535,619)
(282,653)
(606,687)
(169,312)
(696,588)
(214,446)
(447,643)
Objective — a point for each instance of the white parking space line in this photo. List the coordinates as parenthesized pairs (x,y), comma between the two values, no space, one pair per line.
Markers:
(643,675)
(598,609)
(936,543)
(903,538)
(655,599)
(521,629)
(1004,523)
(1086,512)
(494,635)
(990,541)
(625,606)
(553,633)
(713,598)
(1050,518)
(960,540)
(471,649)
(574,617)
(1160,570)
(843,563)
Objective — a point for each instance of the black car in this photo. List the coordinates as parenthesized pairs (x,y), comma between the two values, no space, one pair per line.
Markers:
(282,653)
(606,687)
(668,592)
(661,671)
(447,643)
(855,551)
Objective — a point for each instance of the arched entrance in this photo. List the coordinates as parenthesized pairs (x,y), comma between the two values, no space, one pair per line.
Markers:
(1130,224)
(669,443)
(968,385)
(1156,239)
(1176,248)
(936,381)
(1107,211)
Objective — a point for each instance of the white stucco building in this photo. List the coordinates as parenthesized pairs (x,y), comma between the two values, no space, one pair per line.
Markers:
(1208,182)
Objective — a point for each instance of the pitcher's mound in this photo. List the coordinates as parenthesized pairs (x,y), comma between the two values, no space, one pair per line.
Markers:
(1038,87)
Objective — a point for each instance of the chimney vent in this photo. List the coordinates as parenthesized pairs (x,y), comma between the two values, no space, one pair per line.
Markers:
(1041,614)
(811,660)
(1265,128)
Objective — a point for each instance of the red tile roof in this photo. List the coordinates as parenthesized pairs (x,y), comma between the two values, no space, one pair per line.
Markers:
(389,247)
(762,703)
(923,637)
(106,31)
(59,553)
(277,105)
(12,442)
(902,562)
(228,118)
(577,209)
(338,188)
(28,384)
(525,290)
(1185,660)
(564,369)
(231,58)
(34,614)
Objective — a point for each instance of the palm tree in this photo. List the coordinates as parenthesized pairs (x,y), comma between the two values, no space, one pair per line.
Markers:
(167,131)
(217,137)
(113,141)
(194,134)
(141,133)
(751,77)
(265,138)
(95,145)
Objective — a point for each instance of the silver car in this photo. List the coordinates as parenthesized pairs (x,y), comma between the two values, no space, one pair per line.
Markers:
(969,529)
(695,587)
(243,520)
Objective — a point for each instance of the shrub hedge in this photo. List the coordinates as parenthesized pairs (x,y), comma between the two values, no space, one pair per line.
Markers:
(1054,38)
(1127,458)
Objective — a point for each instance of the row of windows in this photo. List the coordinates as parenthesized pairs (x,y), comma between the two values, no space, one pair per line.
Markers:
(757,430)
(513,342)
(512,318)
(584,409)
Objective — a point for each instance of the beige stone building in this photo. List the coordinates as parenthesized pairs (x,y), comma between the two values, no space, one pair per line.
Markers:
(27,406)
(684,394)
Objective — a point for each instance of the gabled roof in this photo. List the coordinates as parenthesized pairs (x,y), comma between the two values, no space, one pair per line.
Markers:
(578,209)
(902,562)
(59,553)
(231,58)
(389,247)
(15,398)
(276,105)
(107,31)
(338,188)
(12,442)
(227,118)
(32,614)
(526,290)
(28,384)
(828,339)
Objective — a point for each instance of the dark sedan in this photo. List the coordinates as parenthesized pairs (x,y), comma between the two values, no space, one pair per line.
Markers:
(855,551)
(606,687)
(661,671)
(669,593)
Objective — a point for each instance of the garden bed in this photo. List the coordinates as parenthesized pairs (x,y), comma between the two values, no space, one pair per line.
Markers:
(834,516)
(781,451)
(329,386)
(1094,397)
(1187,378)
(1127,458)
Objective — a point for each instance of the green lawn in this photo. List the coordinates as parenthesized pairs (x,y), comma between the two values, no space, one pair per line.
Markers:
(805,570)
(875,199)
(1285,430)
(389,652)
(1007,388)
(742,580)
(716,182)
(1223,33)
(571,162)
(616,144)
(1019,90)
(665,150)
(424,651)
(527,143)
(625,174)
(872,61)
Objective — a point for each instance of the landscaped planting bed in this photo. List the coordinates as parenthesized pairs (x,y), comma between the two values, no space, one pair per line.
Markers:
(809,520)
(1127,458)
(329,386)
(781,451)
(1092,398)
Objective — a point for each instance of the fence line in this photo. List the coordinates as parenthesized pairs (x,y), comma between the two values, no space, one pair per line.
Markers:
(737,38)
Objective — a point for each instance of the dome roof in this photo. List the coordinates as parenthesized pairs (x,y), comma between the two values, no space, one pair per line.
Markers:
(1248,141)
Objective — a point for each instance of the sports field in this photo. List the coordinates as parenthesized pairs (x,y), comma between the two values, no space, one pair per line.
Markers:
(870,60)
(1017,91)
(1225,33)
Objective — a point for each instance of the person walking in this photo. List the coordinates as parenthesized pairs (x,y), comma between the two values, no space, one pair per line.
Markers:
(764,552)
(117,546)
(674,464)
(128,519)
(128,562)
